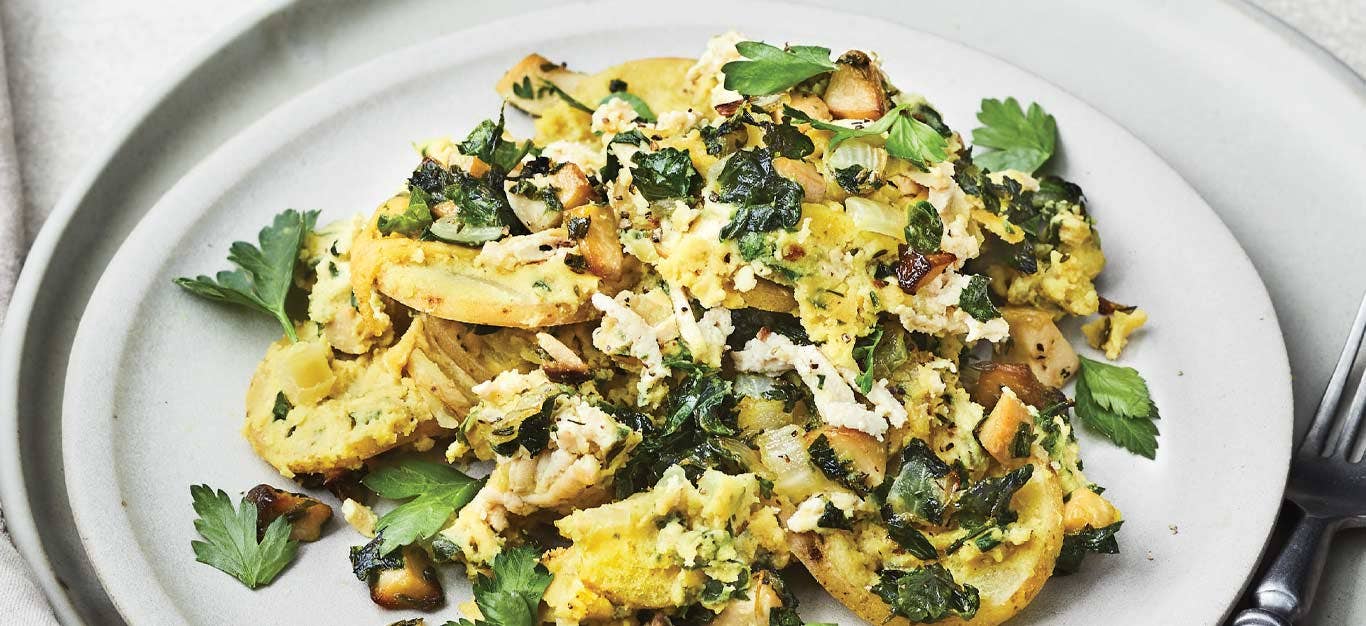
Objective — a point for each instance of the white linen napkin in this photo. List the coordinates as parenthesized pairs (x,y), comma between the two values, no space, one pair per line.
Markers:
(22,601)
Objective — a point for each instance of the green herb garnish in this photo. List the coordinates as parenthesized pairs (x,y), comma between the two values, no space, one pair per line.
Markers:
(1019,140)
(1114,401)
(769,69)
(437,490)
(230,538)
(264,274)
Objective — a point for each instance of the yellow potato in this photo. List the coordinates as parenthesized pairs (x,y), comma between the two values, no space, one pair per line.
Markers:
(1005,588)
(445,281)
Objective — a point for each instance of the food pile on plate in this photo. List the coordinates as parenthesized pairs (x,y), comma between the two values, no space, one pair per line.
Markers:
(718,317)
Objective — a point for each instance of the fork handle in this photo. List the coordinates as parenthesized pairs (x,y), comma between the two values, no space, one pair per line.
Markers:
(1285,592)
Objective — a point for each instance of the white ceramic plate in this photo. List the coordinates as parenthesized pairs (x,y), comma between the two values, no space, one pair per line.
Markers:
(154,390)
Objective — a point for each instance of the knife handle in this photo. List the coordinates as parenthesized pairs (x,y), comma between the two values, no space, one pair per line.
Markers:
(1285,592)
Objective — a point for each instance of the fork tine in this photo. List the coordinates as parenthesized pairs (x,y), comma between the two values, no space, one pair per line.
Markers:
(1323,418)
(1341,439)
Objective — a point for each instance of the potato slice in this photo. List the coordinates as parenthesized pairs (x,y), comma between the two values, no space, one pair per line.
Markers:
(1005,587)
(448,281)
(855,89)
(525,84)
(1035,340)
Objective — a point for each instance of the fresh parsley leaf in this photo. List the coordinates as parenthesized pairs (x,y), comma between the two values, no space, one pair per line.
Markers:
(438,492)
(863,355)
(769,69)
(926,594)
(1076,546)
(918,489)
(512,596)
(1020,141)
(642,109)
(1114,401)
(230,538)
(413,221)
(264,274)
(975,300)
(924,228)
(787,141)
(907,137)
(667,173)
(764,200)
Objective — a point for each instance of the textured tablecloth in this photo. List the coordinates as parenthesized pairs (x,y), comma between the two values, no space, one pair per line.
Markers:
(75,66)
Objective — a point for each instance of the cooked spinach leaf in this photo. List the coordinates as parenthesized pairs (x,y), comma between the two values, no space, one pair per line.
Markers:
(667,173)
(763,199)
(1076,546)
(987,501)
(747,323)
(902,530)
(918,488)
(924,228)
(840,470)
(641,108)
(834,517)
(533,433)
(486,143)
(926,594)
(787,141)
(703,399)
(863,355)
(413,221)
(975,300)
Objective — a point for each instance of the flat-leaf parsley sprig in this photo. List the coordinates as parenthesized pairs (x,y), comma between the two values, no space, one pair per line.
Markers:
(264,274)
(1018,140)
(230,538)
(437,490)
(1114,400)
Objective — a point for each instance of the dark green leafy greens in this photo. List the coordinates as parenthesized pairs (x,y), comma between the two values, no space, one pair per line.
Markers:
(834,517)
(702,399)
(975,300)
(901,528)
(438,491)
(787,141)
(926,594)
(764,200)
(1114,401)
(486,143)
(533,433)
(512,596)
(666,173)
(264,274)
(1076,546)
(282,406)
(230,538)
(840,470)
(770,69)
(924,228)
(697,413)
(918,489)
(987,501)
(1019,140)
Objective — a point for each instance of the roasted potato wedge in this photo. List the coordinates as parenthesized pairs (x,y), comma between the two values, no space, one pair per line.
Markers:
(1036,341)
(527,85)
(1005,588)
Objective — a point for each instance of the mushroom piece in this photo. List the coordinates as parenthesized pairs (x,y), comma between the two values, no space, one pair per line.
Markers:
(305,515)
(804,174)
(985,380)
(915,270)
(855,89)
(1006,433)
(595,228)
(402,580)
(530,84)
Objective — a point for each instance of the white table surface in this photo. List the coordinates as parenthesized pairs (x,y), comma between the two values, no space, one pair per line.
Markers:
(76,66)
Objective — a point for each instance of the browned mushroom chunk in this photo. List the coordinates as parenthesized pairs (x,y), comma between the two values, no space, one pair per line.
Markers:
(1036,341)
(405,579)
(984,382)
(305,515)
(595,228)
(855,90)
(915,270)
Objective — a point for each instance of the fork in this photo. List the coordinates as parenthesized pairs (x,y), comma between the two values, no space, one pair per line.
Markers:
(1328,483)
